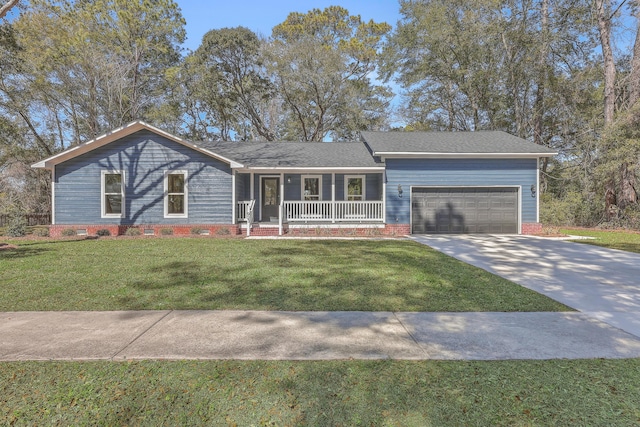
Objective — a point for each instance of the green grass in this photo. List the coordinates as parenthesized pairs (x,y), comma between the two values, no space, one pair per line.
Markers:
(623,240)
(289,275)
(200,273)
(332,393)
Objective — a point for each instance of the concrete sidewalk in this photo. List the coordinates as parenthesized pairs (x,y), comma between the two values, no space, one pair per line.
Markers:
(267,335)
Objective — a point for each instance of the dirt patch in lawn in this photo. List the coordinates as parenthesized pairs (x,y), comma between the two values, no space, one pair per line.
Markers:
(7,246)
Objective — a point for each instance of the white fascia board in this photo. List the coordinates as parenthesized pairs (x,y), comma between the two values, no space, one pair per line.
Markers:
(414,155)
(85,147)
(272,170)
(116,134)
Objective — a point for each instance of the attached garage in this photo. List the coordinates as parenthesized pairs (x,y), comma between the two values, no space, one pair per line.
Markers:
(457,210)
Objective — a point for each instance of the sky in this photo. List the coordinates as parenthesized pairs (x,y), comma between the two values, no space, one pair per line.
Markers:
(261,16)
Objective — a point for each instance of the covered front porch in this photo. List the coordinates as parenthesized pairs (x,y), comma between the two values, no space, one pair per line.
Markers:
(308,199)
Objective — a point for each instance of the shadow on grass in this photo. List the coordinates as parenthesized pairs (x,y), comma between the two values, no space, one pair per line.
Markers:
(331,276)
(21,252)
(174,274)
(583,392)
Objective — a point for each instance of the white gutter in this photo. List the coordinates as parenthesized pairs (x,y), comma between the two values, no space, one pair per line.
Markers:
(405,155)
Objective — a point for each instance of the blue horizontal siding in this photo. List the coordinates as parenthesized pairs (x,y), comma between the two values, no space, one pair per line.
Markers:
(144,157)
(457,173)
(293,189)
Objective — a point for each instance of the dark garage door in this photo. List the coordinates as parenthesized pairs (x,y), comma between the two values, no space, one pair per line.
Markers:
(464,210)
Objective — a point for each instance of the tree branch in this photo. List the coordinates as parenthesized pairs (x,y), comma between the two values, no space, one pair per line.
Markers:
(617,9)
(7,7)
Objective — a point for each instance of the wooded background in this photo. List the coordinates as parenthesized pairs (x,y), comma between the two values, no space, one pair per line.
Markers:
(560,73)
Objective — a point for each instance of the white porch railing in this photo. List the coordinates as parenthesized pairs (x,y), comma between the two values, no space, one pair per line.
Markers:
(322,211)
(338,211)
(243,209)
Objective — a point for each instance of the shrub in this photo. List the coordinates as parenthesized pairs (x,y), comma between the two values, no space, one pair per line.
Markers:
(16,226)
(41,231)
(196,230)
(631,217)
(132,231)
(571,210)
(68,232)
(166,231)
(223,232)
(103,232)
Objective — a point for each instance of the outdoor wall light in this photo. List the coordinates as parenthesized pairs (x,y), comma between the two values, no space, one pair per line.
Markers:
(400,190)
(533,190)
(288,180)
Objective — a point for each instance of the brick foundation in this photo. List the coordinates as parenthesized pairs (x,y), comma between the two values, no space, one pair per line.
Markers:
(222,230)
(532,228)
(328,231)
(158,230)
(261,231)
(397,229)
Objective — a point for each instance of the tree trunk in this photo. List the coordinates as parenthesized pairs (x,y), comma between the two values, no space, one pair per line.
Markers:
(604,28)
(611,207)
(634,75)
(628,195)
(538,105)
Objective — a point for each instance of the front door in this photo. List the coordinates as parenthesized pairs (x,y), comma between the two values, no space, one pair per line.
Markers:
(270,198)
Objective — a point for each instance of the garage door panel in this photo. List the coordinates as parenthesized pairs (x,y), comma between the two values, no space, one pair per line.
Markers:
(464,210)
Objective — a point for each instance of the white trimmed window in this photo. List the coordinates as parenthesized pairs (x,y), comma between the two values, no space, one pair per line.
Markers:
(175,194)
(112,197)
(354,187)
(311,187)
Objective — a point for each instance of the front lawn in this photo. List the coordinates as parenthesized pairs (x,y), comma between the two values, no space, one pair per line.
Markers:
(624,240)
(205,273)
(331,393)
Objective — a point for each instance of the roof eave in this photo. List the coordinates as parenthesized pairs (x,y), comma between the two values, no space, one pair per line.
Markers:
(416,155)
(303,169)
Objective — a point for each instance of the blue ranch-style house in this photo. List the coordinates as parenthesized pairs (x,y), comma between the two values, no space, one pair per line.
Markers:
(385,183)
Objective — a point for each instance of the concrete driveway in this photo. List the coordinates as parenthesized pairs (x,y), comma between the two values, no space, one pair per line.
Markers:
(602,283)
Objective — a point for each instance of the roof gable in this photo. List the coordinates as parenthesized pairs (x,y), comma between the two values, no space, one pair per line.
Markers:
(452,144)
(117,134)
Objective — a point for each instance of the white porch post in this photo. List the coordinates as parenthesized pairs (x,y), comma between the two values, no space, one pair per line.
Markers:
(281,205)
(234,202)
(251,187)
(333,197)
(252,195)
(384,198)
(281,201)
(537,193)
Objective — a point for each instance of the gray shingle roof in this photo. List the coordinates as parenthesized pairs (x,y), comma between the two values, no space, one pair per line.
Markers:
(294,154)
(480,142)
